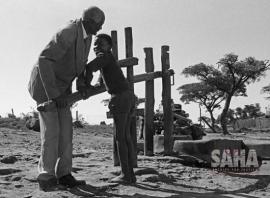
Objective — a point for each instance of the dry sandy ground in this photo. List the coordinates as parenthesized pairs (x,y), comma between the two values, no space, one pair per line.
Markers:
(157,176)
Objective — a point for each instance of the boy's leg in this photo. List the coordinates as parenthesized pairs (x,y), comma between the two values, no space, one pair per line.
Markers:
(131,116)
(115,152)
(131,152)
(120,120)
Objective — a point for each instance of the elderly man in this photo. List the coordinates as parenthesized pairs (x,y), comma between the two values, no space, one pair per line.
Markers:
(61,61)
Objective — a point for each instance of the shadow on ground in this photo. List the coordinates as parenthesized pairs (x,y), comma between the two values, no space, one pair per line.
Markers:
(92,191)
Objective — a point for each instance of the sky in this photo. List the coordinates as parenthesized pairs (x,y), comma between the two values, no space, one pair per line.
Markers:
(196,31)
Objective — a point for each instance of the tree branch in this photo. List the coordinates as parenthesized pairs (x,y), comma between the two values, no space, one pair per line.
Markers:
(205,121)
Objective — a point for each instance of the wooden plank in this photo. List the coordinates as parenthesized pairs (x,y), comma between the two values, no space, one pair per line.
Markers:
(149,104)
(147,76)
(71,99)
(150,76)
(138,112)
(141,100)
(128,62)
(166,100)
(76,96)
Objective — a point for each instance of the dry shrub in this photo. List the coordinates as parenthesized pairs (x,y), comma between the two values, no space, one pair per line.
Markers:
(12,123)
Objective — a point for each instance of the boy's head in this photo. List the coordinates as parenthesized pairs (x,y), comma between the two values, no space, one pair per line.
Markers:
(103,43)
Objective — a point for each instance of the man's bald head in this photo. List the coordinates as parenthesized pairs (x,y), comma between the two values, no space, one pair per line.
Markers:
(94,13)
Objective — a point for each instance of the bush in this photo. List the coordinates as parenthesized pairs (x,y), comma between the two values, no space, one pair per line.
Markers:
(12,123)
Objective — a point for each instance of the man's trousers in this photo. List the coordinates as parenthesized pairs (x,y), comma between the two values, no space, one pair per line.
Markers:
(56,143)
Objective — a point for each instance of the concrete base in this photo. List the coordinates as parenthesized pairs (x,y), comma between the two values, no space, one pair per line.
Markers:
(202,148)
(263,149)
(159,141)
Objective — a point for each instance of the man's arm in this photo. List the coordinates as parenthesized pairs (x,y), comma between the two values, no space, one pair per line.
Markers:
(81,85)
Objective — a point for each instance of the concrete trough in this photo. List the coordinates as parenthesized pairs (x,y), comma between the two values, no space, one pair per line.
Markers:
(202,148)
(159,141)
(262,149)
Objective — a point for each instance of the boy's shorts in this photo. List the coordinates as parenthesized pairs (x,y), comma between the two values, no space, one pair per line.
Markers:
(122,103)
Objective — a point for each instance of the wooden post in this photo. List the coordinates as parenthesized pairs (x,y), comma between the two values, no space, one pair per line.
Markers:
(149,104)
(129,53)
(77,116)
(116,161)
(12,111)
(114,44)
(166,100)
(200,114)
(130,73)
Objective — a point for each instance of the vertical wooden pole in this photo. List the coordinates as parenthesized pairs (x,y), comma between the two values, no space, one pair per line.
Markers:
(129,53)
(77,116)
(114,44)
(116,161)
(130,73)
(12,111)
(200,114)
(166,100)
(149,104)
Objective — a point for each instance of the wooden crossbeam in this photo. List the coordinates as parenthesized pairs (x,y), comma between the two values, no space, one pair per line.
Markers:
(141,100)
(71,99)
(138,112)
(128,62)
(147,76)
(75,97)
(150,76)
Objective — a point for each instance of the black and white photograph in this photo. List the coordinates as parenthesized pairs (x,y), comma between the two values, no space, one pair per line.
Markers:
(135,98)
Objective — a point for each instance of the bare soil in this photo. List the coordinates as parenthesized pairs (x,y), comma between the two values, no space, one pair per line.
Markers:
(157,176)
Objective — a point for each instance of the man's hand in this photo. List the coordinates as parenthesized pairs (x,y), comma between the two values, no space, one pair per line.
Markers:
(97,85)
(60,101)
(81,86)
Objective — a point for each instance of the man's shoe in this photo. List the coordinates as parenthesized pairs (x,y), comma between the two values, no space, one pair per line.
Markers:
(70,182)
(47,185)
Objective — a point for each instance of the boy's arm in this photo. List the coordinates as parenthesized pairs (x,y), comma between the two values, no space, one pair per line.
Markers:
(96,64)
(99,81)
(88,77)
